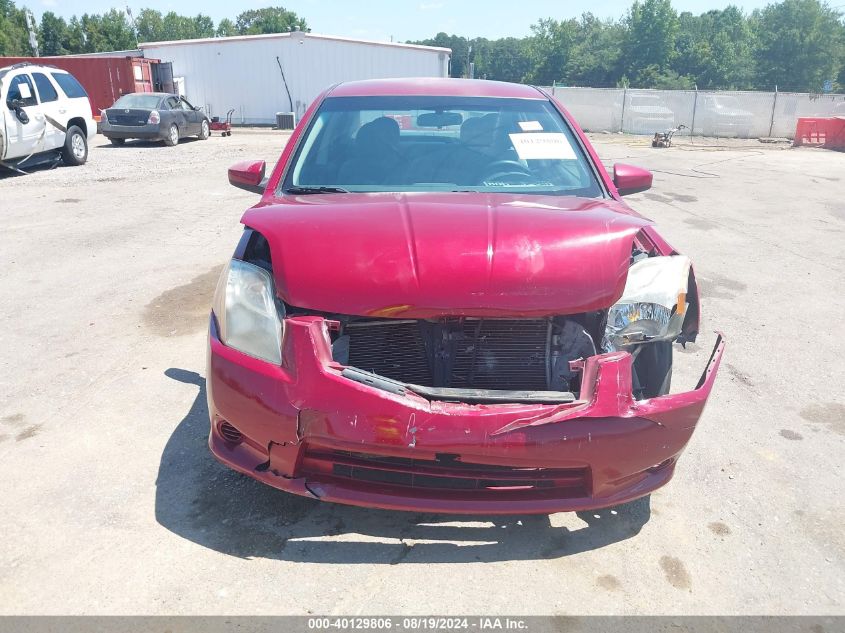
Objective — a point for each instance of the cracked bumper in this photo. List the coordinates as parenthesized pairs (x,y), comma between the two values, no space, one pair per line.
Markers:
(308,430)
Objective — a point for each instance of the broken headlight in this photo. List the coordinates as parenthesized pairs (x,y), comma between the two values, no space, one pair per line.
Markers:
(247,317)
(653,304)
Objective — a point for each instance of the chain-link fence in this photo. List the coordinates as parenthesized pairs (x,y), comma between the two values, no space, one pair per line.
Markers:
(704,113)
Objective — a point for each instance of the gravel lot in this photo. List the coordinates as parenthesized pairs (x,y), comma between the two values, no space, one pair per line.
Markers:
(111,504)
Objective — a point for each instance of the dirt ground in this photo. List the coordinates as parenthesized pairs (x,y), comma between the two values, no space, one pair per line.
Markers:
(110,502)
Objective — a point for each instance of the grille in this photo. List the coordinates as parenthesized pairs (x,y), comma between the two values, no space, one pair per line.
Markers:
(441,475)
(498,354)
(391,349)
(469,354)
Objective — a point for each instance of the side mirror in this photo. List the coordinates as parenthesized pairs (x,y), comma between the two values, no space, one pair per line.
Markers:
(248,175)
(18,106)
(629,179)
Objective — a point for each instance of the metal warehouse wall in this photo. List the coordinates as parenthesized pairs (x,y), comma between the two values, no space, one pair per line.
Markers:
(242,73)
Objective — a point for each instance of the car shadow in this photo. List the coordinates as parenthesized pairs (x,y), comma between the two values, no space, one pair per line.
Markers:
(145,143)
(213,506)
(45,163)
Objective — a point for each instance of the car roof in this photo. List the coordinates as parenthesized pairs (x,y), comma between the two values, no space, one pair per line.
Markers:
(435,86)
(29,66)
(160,95)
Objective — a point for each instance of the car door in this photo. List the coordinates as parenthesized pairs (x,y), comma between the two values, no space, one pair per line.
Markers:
(177,115)
(192,116)
(54,110)
(23,138)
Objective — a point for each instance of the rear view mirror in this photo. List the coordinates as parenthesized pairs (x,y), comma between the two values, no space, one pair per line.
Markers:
(630,179)
(248,175)
(439,119)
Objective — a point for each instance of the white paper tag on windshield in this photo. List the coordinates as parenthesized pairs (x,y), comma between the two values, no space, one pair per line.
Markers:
(530,126)
(26,93)
(544,146)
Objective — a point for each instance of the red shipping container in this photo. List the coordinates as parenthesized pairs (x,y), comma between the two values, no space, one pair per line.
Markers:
(105,79)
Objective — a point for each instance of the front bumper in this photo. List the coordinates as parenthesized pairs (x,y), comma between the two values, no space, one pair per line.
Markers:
(150,131)
(308,430)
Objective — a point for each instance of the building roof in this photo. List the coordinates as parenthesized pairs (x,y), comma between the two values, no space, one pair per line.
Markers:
(436,86)
(294,34)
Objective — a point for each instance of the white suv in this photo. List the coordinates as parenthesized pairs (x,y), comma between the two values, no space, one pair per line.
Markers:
(44,112)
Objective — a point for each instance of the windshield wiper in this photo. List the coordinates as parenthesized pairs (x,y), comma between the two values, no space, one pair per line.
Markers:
(301,191)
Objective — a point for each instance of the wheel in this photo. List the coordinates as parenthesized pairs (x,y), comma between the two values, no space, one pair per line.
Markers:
(204,131)
(172,137)
(229,133)
(75,151)
(117,142)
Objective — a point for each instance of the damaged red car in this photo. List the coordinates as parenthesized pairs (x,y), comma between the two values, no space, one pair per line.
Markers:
(441,303)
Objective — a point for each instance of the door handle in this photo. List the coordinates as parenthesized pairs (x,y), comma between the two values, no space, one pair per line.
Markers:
(62,110)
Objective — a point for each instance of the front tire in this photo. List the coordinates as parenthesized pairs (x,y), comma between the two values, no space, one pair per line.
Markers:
(75,151)
(117,142)
(205,132)
(172,137)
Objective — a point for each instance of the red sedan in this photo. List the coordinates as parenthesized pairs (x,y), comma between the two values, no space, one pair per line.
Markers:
(441,303)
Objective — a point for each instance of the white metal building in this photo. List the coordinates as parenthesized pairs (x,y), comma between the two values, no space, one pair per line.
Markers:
(244,72)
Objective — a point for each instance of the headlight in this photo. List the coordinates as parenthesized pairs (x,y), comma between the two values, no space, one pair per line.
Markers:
(653,305)
(247,317)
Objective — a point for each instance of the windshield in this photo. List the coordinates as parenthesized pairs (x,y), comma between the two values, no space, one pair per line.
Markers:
(424,143)
(141,101)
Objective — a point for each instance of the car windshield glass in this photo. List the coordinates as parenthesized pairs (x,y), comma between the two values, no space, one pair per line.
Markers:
(144,102)
(428,143)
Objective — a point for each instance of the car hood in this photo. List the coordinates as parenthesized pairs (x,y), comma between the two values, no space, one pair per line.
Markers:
(429,255)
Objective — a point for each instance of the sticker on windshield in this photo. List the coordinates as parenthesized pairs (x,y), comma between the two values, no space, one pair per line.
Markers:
(530,126)
(26,93)
(545,146)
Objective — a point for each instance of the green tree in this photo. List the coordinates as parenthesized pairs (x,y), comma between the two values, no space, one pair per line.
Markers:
(596,56)
(652,27)
(459,65)
(53,35)
(800,45)
(504,59)
(149,25)
(226,28)
(14,36)
(75,37)
(550,49)
(268,20)
(715,49)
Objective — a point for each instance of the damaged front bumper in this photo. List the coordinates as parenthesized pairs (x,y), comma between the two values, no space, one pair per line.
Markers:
(305,428)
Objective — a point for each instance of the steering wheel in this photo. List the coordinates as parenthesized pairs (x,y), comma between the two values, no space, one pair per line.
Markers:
(503,168)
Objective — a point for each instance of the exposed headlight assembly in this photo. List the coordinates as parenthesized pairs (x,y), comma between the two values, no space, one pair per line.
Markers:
(247,317)
(653,305)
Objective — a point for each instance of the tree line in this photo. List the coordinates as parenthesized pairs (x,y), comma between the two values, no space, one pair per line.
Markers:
(116,31)
(795,44)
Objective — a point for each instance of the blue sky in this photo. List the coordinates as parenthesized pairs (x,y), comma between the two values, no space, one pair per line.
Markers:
(402,19)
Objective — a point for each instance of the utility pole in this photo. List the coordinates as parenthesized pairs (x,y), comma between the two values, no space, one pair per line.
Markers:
(132,22)
(33,30)
(470,65)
